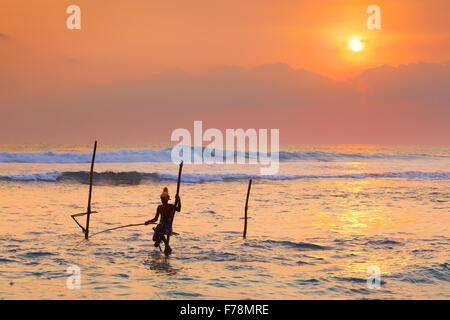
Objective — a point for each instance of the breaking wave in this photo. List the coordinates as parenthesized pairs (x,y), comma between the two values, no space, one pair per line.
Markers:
(164,155)
(134,177)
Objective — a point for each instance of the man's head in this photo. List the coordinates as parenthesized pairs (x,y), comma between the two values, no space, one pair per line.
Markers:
(165,196)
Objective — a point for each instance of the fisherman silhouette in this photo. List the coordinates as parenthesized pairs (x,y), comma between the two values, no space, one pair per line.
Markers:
(167,211)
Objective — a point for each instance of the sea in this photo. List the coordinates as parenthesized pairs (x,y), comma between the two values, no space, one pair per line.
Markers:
(336,222)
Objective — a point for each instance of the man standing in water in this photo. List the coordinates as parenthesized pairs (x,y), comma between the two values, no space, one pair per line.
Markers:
(167,212)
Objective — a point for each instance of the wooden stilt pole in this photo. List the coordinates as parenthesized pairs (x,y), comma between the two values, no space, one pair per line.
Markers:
(180,169)
(88,212)
(246,208)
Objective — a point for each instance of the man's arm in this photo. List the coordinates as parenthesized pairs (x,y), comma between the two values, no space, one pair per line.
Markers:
(154,219)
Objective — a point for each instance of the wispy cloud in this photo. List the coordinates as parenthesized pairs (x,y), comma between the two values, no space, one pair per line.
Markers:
(4,36)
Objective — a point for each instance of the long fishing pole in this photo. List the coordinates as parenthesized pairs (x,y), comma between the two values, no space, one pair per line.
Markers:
(126,226)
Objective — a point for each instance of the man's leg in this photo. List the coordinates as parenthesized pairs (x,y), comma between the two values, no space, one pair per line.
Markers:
(157,237)
(167,248)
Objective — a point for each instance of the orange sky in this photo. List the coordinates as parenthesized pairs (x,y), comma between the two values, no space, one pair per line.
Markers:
(122,41)
(126,39)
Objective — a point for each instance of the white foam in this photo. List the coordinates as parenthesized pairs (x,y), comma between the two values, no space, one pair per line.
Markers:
(164,155)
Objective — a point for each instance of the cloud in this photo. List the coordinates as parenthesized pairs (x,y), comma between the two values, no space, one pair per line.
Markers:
(4,36)
(272,85)
(420,82)
(403,104)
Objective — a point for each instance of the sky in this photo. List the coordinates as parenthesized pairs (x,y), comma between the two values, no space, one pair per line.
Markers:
(139,69)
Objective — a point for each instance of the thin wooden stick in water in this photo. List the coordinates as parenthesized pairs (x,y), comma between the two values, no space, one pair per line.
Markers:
(246,207)
(86,232)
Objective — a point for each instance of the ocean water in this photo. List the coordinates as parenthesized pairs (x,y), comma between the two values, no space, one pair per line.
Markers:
(314,229)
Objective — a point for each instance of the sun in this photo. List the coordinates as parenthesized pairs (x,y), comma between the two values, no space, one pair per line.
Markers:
(356,44)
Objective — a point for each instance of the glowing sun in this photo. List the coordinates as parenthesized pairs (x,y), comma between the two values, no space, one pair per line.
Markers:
(356,44)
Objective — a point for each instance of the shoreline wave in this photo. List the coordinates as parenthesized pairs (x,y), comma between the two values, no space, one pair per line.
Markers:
(134,177)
